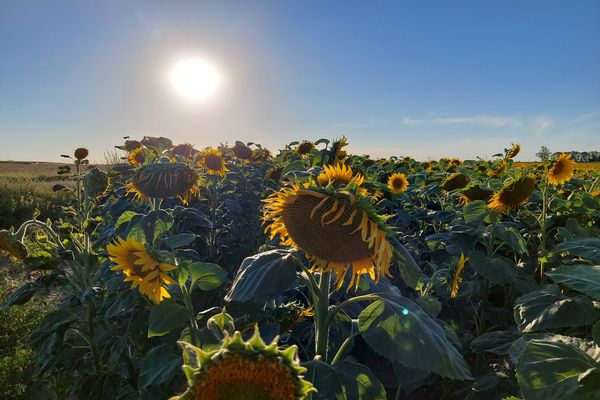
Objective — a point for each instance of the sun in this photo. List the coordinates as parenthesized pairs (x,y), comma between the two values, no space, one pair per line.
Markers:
(194,78)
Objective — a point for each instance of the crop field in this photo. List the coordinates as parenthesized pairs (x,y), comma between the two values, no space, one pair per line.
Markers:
(232,272)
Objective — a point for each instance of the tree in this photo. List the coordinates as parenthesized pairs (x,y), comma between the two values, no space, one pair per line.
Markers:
(544,153)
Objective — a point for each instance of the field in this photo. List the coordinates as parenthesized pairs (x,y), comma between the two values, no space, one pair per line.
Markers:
(234,273)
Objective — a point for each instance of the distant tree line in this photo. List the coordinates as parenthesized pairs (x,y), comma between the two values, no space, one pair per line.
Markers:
(579,156)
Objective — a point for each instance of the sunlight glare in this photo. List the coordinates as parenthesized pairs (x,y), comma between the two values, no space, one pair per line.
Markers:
(194,78)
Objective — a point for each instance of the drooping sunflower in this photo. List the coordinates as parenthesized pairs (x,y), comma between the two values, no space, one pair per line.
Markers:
(81,153)
(213,161)
(499,170)
(184,150)
(337,154)
(514,150)
(512,195)
(455,181)
(137,157)
(397,183)
(338,175)
(475,192)
(11,245)
(95,183)
(242,151)
(164,180)
(305,147)
(562,170)
(455,161)
(131,145)
(244,370)
(274,174)
(457,279)
(261,155)
(337,228)
(141,268)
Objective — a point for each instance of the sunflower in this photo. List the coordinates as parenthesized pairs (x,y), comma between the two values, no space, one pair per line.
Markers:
(305,147)
(184,150)
(12,246)
(337,154)
(512,195)
(512,153)
(261,155)
(338,175)
(131,145)
(95,183)
(164,180)
(561,170)
(274,174)
(213,161)
(244,370)
(242,151)
(475,192)
(455,181)
(81,153)
(397,183)
(498,171)
(458,275)
(141,268)
(137,157)
(337,229)
(455,161)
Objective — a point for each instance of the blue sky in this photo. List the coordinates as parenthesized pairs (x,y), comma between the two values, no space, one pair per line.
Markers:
(420,78)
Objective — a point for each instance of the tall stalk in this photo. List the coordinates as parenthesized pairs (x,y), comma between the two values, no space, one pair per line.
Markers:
(321,316)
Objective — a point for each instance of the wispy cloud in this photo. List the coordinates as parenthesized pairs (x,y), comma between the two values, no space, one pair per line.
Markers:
(585,117)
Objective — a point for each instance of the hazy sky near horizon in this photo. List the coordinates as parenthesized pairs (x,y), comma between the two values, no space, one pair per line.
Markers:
(420,78)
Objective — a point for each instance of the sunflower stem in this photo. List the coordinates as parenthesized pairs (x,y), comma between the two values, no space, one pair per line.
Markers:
(321,316)
(187,299)
(544,191)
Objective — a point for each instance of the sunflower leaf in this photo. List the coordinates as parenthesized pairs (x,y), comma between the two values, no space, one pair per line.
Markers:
(166,316)
(583,278)
(206,276)
(401,331)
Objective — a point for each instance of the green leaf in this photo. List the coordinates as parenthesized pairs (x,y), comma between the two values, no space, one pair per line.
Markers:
(588,248)
(583,278)
(23,294)
(409,270)
(294,166)
(474,211)
(125,217)
(497,342)
(263,277)
(498,269)
(358,381)
(166,316)
(547,308)
(409,378)
(512,237)
(206,276)
(180,240)
(596,332)
(401,331)
(429,304)
(343,381)
(155,223)
(159,365)
(549,370)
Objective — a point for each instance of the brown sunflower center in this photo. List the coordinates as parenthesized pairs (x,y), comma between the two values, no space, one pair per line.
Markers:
(518,192)
(164,180)
(244,379)
(397,183)
(213,162)
(324,235)
(558,167)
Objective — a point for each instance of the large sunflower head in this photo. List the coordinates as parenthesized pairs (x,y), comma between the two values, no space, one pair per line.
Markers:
(513,151)
(141,268)
(213,161)
(95,183)
(184,150)
(512,195)
(337,229)
(244,370)
(475,192)
(81,153)
(131,145)
(11,245)
(338,176)
(137,157)
(242,151)
(305,147)
(397,183)
(455,181)
(561,170)
(337,153)
(164,180)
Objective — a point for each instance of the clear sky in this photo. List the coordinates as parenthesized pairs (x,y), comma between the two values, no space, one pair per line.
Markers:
(421,78)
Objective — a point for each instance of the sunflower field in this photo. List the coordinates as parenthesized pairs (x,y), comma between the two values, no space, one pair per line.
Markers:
(231,273)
